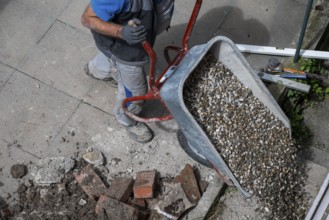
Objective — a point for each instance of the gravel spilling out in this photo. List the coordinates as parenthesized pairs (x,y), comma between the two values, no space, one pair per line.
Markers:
(253,142)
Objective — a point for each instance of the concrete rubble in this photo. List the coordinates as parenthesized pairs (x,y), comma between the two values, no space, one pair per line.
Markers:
(83,190)
(51,170)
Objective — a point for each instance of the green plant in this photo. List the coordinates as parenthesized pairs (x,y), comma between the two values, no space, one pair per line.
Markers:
(298,101)
(311,66)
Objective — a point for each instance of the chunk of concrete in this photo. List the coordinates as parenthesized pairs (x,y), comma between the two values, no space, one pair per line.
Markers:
(115,209)
(94,157)
(51,170)
(173,203)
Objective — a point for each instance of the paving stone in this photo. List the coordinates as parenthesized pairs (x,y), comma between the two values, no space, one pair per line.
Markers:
(102,96)
(121,188)
(144,184)
(59,59)
(18,20)
(115,209)
(51,170)
(72,14)
(90,182)
(50,7)
(5,73)
(189,184)
(32,113)
(93,128)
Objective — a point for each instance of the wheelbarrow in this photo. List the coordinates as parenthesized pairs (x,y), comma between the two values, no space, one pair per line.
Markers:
(168,88)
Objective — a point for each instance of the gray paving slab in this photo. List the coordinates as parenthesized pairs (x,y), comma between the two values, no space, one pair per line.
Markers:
(50,7)
(10,155)
(102,96)
(72,14)
(21,28)
(32,113)
(317,121)
(59,59)
(5,73)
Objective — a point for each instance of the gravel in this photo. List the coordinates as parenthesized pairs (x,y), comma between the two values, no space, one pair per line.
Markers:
(254,143)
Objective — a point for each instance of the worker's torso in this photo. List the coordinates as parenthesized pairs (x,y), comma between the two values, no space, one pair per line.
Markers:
(144,11)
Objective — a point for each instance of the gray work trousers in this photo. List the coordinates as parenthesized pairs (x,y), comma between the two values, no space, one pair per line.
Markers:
(131,82)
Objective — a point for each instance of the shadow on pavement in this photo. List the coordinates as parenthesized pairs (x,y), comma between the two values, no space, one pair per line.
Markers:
(3,4)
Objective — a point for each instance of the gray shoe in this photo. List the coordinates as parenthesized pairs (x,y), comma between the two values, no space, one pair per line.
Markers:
(140,133)
(110,79)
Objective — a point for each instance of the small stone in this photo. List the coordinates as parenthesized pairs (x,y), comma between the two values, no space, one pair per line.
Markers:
(43,193)
(130,170)
(18,170)
(82,202)
(94,157)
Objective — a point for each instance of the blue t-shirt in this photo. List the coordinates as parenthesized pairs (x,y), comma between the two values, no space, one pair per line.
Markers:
(107,9)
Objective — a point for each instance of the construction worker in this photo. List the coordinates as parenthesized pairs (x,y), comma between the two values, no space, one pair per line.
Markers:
(122,58)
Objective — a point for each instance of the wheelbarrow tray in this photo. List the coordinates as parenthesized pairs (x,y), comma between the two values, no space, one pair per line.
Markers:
(172,95)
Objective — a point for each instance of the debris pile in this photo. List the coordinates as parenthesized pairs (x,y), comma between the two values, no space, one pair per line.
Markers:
(253,142)
(83,191)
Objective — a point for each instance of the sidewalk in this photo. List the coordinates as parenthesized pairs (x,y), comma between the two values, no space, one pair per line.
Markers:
(49,107)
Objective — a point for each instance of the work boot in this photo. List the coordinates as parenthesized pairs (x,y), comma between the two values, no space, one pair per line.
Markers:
(140,132)
(110,79)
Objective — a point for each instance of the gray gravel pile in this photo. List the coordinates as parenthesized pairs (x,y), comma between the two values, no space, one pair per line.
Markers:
(253,142)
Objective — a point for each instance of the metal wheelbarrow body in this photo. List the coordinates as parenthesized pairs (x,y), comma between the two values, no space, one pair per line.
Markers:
(172,95)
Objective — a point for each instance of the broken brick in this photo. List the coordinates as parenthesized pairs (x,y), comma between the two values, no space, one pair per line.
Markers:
(203,186)
(91,183)
(138,203)
(144,184)
(189,184)
(100,204)
(121,188)
(115,209)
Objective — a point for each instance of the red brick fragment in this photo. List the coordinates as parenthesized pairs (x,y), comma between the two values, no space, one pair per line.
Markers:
(189,184)
(121,188)
(144,184)
(90,182)
(115,209)
(100,205)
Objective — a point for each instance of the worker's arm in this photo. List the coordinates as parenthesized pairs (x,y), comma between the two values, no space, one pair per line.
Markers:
(132,35)
(91,21)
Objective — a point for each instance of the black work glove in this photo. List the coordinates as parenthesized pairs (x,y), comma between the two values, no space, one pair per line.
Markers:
(133,34)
